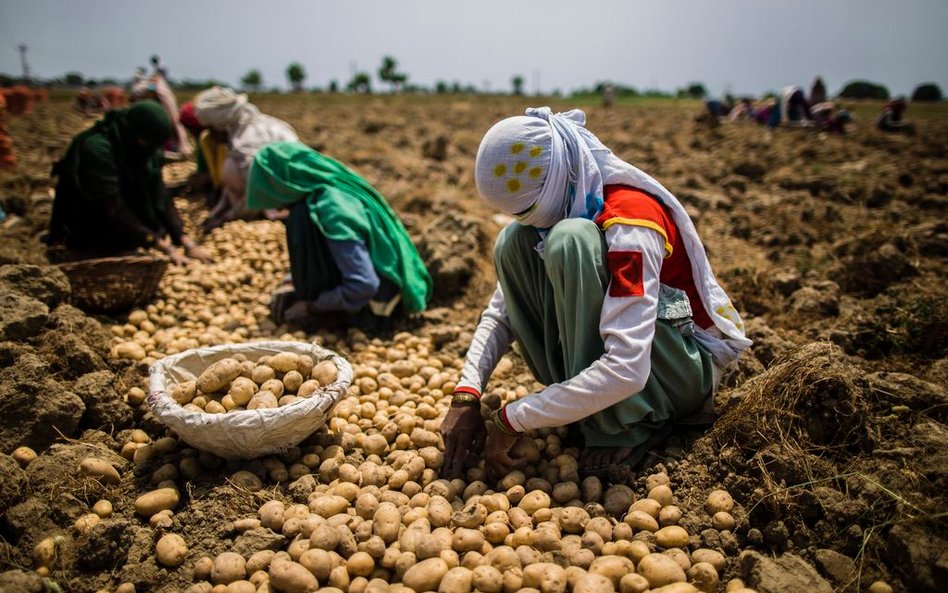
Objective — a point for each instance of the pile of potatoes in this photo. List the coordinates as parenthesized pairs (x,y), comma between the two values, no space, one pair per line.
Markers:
(236,383)
(224,302)
(363,506)
(377,517)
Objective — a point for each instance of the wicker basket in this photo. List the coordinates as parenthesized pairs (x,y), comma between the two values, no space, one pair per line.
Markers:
(112,284)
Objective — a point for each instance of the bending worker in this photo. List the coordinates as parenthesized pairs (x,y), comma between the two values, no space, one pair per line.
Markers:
(606,287)
(231,118)
(348,250)
(110,198)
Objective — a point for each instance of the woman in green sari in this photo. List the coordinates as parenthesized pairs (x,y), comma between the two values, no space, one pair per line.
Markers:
(348,250)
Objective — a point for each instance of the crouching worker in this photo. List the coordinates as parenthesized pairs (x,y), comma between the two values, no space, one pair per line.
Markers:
(606,288)
(348,250)
(110,198)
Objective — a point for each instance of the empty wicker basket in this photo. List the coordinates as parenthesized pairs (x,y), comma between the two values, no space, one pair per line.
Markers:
(113,284)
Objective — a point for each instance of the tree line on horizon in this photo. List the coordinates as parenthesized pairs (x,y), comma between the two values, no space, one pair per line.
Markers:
(398,82)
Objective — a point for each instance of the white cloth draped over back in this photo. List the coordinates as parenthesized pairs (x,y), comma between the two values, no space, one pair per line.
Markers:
(562,174)
(248,129)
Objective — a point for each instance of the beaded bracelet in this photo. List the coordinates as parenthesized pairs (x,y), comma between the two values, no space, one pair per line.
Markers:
(502,424)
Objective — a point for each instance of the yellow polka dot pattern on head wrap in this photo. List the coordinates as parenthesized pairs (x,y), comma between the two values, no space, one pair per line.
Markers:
(513,163)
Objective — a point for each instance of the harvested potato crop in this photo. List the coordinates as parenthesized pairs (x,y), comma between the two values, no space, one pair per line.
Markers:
(218,375)
(170,550)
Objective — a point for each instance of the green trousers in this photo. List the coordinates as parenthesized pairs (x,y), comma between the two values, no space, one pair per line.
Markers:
(554,305)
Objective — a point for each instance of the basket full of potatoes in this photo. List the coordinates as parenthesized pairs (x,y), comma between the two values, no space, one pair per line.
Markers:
(247,400)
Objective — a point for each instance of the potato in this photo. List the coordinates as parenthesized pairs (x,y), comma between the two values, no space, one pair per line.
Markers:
(319,562)
(292,381)
(649,506)
(259,561)
(85,523)
(214,407)
(488,579)
(669,515)
(612,567)
(719,501)
(360,564)
(308,388)
(285,362)
(241,390)
(102,508)
(425,575)
(456,580)
(573,519)
(240,587)
(291,577)
(261,374)
(263,400)
(672,536)
(633,583)
(593,583)
(274,386)
(218,375)
(722,521)
(640,521)
(879,587)
(152,502)
(662,494)
(271,514)
(467,540)
(545,576)
(618,499)
(712,557)
(675,588)
(101,470)
(325,372)
(534,501)
(704,577)
(184,393)
(227,568)
(170,550)
(659,570)
(471,517)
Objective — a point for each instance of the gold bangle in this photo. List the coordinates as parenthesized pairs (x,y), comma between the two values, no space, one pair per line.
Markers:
(499,421)
(464,399)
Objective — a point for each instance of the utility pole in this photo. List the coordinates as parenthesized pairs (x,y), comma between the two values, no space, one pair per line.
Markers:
(26,67)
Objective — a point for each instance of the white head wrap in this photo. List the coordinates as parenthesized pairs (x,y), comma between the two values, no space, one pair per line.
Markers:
(219,107)
(572,166)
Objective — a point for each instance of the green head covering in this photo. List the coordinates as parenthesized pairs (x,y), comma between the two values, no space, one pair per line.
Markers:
(148,121)
(344,207)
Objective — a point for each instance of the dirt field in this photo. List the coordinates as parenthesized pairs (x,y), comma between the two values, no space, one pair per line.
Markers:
(832,437)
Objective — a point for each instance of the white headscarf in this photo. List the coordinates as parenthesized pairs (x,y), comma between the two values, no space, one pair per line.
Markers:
(248,129)
(544,167)
(219,107)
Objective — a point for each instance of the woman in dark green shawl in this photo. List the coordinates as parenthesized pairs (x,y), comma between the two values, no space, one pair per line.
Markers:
(110,198)
(348,250)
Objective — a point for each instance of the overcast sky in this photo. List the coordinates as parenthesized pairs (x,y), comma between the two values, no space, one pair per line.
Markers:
(743,46)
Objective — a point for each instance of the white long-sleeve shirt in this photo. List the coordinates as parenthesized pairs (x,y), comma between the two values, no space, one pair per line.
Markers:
(627,326)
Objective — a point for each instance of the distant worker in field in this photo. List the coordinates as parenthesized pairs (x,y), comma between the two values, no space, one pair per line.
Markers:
(212,151)
(157,88)
(792,109)
(349,253)
(608,95)
(817,91)
(605,286)
(110,198)
(88,101)
(743,111)
(831,117)
(892,117)
(230,117)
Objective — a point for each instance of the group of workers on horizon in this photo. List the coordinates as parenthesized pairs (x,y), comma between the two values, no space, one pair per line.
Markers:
(602,278)
(792,108)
